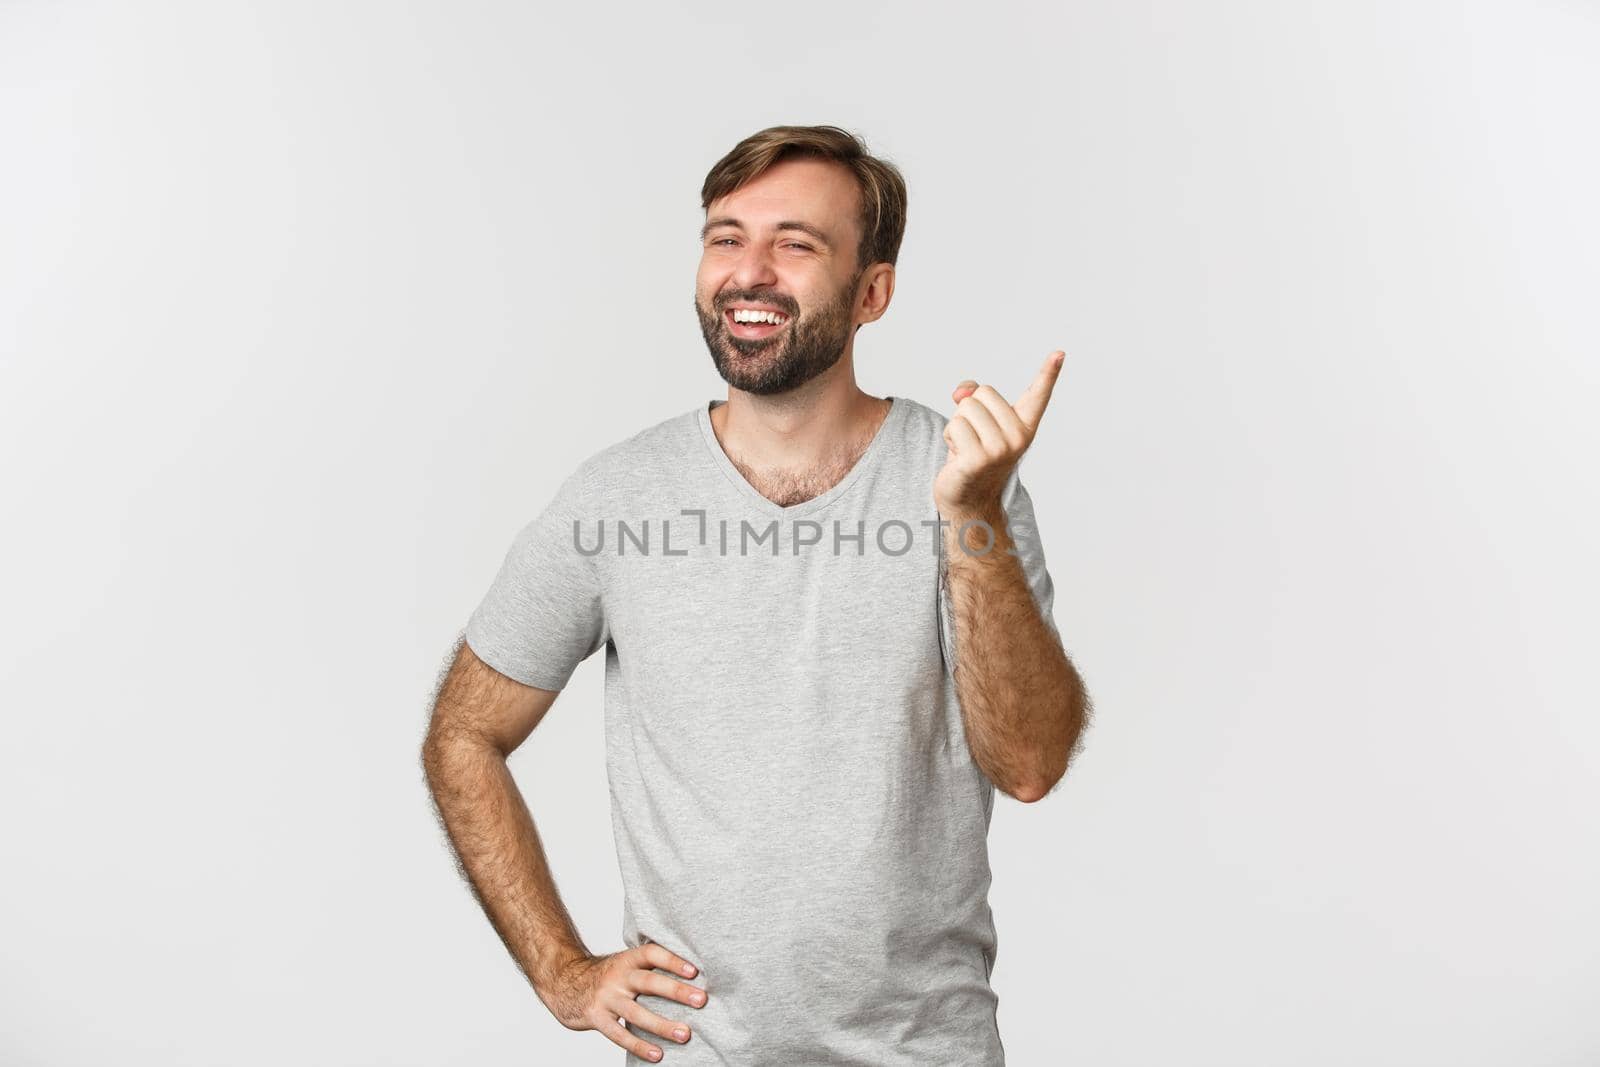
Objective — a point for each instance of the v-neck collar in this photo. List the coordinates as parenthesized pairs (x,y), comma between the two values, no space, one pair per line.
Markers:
(868,459)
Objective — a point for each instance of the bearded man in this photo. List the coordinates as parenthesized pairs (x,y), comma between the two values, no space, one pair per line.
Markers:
(803,737)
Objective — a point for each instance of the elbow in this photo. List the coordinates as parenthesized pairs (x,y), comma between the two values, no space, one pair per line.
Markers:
(442,751)
(1027,786)
(1054,767)
(1034,790)
(1046,776)
(432,759)
(1030,794)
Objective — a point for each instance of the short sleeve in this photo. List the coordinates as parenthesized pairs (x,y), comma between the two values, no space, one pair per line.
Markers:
(1024,530)
(542,615)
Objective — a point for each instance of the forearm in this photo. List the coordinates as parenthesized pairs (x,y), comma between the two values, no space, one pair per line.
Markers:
(500,854)
(1022,701)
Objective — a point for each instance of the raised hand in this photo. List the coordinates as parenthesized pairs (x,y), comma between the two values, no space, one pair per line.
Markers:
(594,992)
(986,437)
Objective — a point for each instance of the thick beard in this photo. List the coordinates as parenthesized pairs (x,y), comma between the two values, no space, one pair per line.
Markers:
(808,346)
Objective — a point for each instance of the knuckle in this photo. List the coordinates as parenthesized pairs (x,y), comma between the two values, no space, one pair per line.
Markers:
(650,1024)
(621,1035)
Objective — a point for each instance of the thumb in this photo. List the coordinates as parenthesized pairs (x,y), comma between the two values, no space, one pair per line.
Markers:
(964,390)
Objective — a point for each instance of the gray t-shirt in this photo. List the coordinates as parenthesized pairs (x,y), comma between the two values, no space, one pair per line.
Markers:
(794,805)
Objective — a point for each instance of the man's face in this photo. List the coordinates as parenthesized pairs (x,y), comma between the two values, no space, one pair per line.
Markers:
(785,242)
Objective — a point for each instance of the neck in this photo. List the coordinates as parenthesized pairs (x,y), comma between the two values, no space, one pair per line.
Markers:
(804,429)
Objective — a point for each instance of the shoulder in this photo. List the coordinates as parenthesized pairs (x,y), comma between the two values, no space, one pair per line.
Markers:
(921,426)
(642,459)
(921,420)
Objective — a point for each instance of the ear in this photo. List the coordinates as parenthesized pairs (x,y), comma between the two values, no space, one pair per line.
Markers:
(876,289)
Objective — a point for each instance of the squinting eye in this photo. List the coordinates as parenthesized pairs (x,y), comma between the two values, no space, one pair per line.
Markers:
(803,248)
(723,240)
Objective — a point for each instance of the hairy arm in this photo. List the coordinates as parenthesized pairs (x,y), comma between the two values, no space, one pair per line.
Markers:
(479,718)
(1023,703)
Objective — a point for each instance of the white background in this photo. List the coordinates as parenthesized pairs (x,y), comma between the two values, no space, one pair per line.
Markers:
(306,308)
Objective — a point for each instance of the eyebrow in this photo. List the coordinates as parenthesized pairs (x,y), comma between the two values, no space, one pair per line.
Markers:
(804,227)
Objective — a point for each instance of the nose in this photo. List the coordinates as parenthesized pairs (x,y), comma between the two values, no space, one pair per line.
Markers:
(755,267)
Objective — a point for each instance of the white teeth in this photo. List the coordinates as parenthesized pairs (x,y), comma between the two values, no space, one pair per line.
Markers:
(752,315)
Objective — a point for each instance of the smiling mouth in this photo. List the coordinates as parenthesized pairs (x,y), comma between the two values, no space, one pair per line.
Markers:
(751,331)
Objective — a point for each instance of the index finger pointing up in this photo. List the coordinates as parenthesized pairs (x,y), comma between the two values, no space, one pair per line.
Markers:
(1030,405)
